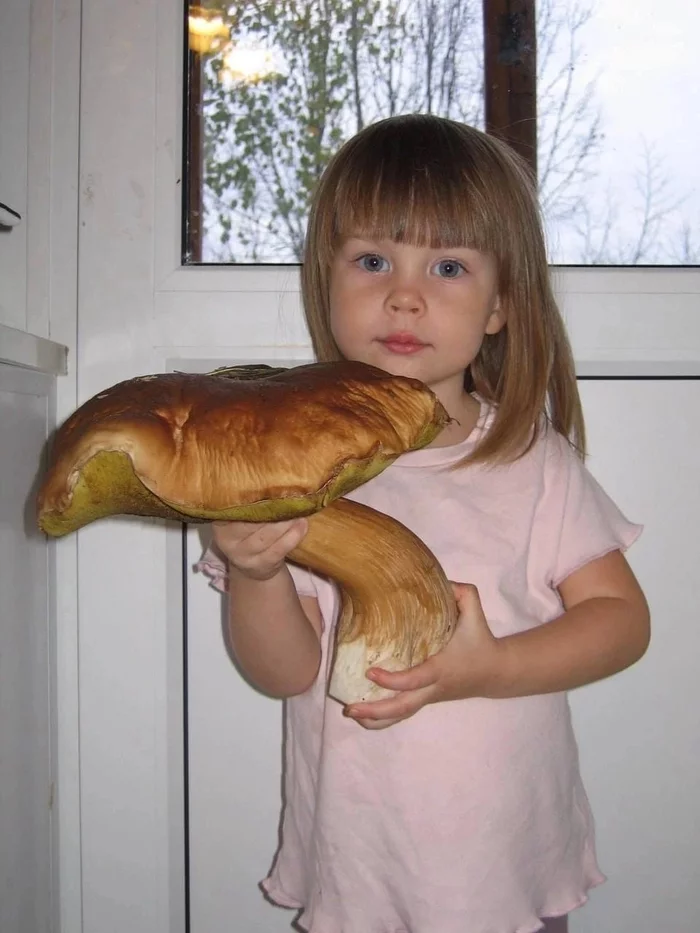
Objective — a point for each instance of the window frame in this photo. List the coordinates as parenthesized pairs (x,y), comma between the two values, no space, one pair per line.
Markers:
(662,335)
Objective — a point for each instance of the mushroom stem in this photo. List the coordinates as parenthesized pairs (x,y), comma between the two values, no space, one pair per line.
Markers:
(397,608)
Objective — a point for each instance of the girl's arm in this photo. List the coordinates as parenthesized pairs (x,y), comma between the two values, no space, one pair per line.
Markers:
(604,629)
(275,634)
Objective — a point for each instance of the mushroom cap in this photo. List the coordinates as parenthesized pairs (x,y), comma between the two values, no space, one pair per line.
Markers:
(249,443)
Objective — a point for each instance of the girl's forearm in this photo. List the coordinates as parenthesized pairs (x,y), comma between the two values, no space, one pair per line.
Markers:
(592,640)
(272,638)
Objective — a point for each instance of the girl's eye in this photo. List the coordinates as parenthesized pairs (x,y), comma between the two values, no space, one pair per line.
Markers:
(449,268)
(371,262)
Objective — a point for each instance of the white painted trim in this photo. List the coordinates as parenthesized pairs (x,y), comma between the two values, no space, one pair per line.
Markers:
(231,279)
(39,167)
(53,302)
(169,143)
(630,280)
(654,369)
(593,280)
(18,348)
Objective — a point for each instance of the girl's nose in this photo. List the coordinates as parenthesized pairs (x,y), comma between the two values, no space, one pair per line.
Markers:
(405,298)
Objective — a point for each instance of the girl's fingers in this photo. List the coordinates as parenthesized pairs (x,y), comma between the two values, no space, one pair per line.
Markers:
(422,675)
(262,536)
(257,538)
(287,540)
(259,549)
(467,596)
(374,725)
(393,708)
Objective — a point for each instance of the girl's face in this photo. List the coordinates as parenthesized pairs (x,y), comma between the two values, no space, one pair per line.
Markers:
(413,310)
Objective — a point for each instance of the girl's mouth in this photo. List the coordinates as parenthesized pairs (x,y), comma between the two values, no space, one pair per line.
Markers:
(403,344)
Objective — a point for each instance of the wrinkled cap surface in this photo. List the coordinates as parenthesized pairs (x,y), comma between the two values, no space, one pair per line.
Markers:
(250,443)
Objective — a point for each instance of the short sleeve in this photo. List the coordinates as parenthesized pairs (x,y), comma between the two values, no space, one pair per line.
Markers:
(583,521)
(213,565)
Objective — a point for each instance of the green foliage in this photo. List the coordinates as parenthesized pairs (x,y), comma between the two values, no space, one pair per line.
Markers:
(342,64)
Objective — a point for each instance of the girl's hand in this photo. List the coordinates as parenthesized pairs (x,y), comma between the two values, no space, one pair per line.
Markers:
(258,550)
(470,665)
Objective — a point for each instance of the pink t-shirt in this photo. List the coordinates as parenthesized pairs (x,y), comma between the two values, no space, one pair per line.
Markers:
(469,817)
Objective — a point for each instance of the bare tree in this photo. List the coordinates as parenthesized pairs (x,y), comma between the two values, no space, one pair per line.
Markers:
(448,32)
(653,231)
(685,250)
(569,123)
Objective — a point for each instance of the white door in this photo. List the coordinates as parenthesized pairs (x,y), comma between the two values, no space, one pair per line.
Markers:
(639,732)
(140,312)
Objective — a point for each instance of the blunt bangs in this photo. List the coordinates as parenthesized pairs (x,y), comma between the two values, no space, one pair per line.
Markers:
(399,185)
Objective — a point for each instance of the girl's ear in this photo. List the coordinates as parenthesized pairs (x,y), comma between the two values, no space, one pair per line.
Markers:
(497,319)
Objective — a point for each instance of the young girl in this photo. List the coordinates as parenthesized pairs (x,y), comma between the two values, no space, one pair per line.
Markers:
(455,806)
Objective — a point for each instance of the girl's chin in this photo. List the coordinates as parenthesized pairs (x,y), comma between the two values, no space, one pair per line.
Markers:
(402,367)
(399,363)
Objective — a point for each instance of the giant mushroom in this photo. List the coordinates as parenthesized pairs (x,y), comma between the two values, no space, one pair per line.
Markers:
(257,443)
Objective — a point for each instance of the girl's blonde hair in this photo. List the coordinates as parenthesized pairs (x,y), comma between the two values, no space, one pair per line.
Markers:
(430,181)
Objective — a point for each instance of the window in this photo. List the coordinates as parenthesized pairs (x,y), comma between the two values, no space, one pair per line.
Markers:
(596,97)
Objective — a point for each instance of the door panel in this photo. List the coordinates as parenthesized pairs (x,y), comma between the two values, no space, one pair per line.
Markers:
(639,732)
(234,762)
(25,763)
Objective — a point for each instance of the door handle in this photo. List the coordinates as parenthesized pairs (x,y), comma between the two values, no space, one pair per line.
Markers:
(8,216)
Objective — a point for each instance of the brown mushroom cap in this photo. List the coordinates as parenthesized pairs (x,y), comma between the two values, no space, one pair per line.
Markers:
(255,443)
(250,443)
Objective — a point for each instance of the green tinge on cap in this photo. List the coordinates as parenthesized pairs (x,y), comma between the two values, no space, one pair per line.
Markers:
(107,485)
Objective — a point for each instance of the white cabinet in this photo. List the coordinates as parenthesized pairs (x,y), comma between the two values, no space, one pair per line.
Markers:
(26,788)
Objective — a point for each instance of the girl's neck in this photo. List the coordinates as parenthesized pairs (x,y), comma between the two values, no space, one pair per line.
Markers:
(464,413)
